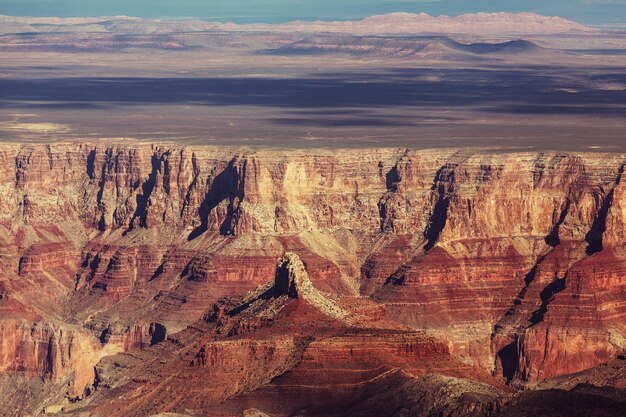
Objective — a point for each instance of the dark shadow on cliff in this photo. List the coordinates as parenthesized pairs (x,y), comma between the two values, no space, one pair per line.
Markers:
(225,186)
(547,296)
(595,236)
(443,185)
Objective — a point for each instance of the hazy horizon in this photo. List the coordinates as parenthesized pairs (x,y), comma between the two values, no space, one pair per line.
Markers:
(591,12)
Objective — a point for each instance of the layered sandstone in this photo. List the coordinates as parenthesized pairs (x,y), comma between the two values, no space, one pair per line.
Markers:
(285,339)
(512,261)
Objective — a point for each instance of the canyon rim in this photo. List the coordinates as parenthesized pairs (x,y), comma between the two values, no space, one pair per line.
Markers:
(404,215)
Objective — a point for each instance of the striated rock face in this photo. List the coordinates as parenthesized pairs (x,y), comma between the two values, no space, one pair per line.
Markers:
(512,263)
(57,353)
(280,341)
(292,280)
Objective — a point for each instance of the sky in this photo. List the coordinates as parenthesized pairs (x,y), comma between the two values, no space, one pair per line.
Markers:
(592,12)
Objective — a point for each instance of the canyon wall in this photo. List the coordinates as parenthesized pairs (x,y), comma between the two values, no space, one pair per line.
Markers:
(514,261)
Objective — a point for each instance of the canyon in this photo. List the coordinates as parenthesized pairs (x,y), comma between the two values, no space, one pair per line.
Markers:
(145,278)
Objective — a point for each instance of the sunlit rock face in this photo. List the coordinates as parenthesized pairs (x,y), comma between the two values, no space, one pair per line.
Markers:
(509,263)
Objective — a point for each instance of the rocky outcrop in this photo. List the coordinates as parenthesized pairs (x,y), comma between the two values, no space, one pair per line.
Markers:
(277,341)
(597,391)
(60,354)
(433,394)
(511,260)
(292,280)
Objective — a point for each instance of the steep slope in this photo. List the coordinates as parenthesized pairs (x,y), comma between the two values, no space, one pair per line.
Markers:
(598,391)
(285,339)
(510,263)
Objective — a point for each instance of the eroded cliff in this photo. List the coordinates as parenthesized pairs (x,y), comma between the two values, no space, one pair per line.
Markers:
(515,262)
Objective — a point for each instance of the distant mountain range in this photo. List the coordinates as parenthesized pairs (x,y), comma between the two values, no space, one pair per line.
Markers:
(409,23)
(394,23)
(408,47)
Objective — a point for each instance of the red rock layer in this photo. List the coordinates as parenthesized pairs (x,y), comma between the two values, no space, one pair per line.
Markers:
(276,342)
(511,259)
(337,372)
(584,320)
(60,354)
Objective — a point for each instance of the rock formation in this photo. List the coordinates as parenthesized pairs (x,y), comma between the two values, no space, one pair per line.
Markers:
(293,280)
(507,266)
